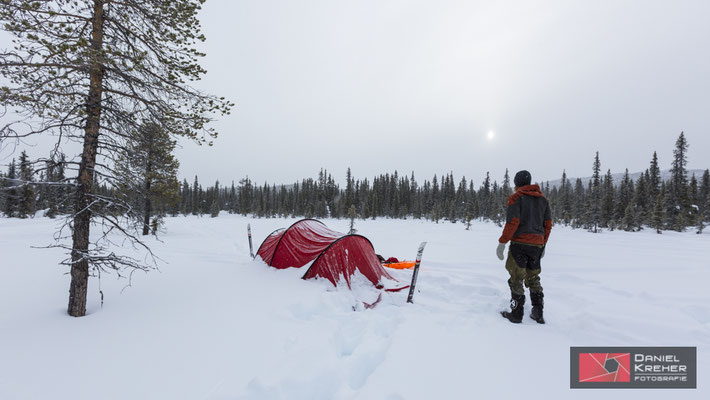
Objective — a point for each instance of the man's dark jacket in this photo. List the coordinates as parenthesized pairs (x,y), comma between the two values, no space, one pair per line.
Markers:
(528,219)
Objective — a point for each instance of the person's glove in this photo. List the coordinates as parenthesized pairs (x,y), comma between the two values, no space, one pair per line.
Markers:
(543,252)
(500,250)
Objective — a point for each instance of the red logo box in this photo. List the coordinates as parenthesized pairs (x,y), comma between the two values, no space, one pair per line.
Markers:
(604,367)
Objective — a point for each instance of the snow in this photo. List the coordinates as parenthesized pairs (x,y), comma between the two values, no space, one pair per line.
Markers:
(212,324)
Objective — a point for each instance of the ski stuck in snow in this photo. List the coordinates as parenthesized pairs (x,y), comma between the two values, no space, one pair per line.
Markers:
(416,272)
(251,247)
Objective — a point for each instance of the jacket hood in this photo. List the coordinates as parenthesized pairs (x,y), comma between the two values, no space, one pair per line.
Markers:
(527,190)
(530,190)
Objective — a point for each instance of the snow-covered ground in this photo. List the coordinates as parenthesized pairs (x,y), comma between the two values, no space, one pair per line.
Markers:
(215,325)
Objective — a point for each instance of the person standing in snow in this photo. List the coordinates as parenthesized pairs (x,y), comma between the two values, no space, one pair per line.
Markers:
(527,226)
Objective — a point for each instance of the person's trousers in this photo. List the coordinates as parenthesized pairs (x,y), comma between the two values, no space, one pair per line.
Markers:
(523,265)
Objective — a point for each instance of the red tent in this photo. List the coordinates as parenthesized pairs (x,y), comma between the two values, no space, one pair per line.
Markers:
(336,254)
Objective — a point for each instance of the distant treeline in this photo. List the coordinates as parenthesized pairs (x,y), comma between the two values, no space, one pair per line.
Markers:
(649,201)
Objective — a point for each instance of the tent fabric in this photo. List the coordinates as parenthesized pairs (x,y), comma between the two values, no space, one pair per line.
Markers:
(336,254)
(266,250)
(343,257)
(297,245)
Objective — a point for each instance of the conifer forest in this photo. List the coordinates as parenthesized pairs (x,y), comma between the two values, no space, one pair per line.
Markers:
(673,200)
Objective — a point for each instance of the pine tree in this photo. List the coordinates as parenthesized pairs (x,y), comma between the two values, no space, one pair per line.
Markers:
(196,207)
(596,171)
(704,191)
(374,203)
(657,222)
(461,200)
(589,210)
(233,199)
(214,206)
(214,209)
(49,191)
(26,206)
(352,214)
(434,197)
(468,218)
(349,190)
(11,197)
(93,70)
(679,201)
(624,197)
(640,201)
(436,213)
(148,172)
(703,201)
(705,215)
(154,225)
(396,207)
(608,197)
(565,199)
(472,201)
(579,203)
(484,197)
(629,220)
(506,191)
(493,204)
(41,191)
(654,177)
(693,200)
(595,198)
(66,192)
(185,198)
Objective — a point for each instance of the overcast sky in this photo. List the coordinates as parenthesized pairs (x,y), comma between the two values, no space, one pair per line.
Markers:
(380,85)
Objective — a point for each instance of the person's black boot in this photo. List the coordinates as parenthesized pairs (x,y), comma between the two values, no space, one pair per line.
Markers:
(537,303)
(515,315)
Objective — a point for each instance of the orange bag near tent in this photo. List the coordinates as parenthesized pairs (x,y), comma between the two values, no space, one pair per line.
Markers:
(393,262)
(400,265)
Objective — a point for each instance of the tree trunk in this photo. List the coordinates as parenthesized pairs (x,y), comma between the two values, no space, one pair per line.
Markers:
(148,206)
(85,181)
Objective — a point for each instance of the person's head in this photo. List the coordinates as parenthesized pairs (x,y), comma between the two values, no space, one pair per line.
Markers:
(522,178)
